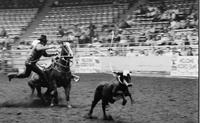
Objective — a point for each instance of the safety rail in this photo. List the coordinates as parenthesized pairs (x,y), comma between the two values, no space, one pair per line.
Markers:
(12,59)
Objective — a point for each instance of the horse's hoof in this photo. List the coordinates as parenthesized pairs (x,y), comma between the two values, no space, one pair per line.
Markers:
(109,117)
(31,95)
(51,104)
(132,102)
(69,106)
(89,116)
(124,102)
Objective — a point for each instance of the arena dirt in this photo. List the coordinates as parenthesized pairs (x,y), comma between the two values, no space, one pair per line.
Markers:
(157,100)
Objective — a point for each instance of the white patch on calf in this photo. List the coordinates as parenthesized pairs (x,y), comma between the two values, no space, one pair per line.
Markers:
(126,72)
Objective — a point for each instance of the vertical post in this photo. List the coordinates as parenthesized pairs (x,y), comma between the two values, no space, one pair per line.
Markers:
(3,61)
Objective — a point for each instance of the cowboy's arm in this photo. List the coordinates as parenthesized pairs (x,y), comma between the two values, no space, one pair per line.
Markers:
(69,48)
(40,47)
(45,54)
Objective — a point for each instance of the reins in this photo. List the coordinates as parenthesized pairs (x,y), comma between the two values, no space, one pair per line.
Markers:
(61,57)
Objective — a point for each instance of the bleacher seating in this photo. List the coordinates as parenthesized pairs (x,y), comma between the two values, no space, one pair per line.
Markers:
(15,21)
(16,16)
(16,4)
(72,12)
(141,22)
(99,15)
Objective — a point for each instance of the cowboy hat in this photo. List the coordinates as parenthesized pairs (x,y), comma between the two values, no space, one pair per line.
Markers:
(43,38)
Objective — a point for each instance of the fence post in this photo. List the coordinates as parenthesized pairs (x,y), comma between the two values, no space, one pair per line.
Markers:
(3,61)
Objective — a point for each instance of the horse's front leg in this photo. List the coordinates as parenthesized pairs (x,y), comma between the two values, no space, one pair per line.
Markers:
(120,94)
(132,101)
(67,89)
(54,93)
(124,99)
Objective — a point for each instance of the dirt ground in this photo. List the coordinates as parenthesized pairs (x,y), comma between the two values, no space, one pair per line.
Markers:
(157,100)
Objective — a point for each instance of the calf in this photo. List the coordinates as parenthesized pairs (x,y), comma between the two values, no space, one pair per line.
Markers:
(109,92)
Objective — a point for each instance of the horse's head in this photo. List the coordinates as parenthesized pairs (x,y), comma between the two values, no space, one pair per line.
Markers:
(123,77)
(63,59)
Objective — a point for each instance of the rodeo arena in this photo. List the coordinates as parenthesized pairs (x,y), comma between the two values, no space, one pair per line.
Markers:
(99,61)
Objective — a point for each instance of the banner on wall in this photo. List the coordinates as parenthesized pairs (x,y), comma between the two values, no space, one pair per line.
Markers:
(143,63)
(86,65)
(185,66)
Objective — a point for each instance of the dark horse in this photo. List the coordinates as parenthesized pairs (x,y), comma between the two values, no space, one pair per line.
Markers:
(59,75)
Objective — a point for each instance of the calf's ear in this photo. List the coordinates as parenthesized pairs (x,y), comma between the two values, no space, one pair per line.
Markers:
(115,74)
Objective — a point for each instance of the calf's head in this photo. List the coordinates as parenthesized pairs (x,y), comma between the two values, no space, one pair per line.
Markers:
(123,77)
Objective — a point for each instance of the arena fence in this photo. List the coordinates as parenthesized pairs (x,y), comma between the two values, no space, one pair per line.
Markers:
(171,66)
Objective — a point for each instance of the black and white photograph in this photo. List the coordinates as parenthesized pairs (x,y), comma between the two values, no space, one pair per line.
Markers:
(99,61)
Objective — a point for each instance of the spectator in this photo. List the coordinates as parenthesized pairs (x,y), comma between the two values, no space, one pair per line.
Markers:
(115,3)
(56,3)
(175,52)
(183,51)
(150,32)
(165,16)
(175,10)
(141,10)
(141,53)
(131,53)
(150,41)
(178,40)
(159,52)
(110,52)
(189,51)
(77,31)
(3,33)
(162,7)
(152,51)
(183,24)
(124,25)
(146,52)
(91,27)
(168,52)
(185,41)
(193,38)
(96,43)
(152,11)
(193,23)
(61,31)
(70,37)
(165,39)
(173,15)
(164,29)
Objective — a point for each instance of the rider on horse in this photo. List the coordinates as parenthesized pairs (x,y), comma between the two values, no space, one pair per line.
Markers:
(38,50)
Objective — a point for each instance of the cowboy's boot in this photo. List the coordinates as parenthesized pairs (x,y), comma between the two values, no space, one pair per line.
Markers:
(11,76)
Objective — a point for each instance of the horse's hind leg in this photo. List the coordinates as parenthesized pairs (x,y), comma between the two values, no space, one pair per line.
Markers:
(39,93)
(54,93)
(32,86)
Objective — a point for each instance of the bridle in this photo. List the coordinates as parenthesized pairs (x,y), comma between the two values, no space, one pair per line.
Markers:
(62,57)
